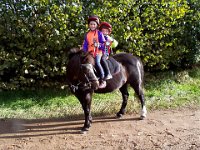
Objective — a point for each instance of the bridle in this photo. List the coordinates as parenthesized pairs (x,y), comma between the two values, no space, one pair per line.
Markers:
(86,82)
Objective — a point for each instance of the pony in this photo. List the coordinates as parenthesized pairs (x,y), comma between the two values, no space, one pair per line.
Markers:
(83,81)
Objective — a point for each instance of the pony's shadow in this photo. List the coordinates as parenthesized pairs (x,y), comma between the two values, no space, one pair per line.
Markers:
(22,128)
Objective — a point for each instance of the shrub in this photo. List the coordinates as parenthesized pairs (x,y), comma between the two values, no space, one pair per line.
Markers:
(35,36)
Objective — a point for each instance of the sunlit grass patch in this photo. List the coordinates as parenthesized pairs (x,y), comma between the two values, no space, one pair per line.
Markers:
(174,90)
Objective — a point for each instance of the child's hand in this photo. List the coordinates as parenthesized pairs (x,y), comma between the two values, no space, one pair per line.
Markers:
(107,43)
(110,39)
(96,44)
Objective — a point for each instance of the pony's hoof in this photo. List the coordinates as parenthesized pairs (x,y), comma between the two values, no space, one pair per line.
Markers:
(142,117)
(119,116)
(84,130)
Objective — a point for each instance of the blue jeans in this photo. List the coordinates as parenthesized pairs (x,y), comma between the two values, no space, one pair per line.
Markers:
(98,63)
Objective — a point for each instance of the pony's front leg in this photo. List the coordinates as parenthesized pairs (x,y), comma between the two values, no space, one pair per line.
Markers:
(88,118)
(85,100)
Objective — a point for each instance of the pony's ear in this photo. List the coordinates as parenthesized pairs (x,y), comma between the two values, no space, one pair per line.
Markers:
(75,50)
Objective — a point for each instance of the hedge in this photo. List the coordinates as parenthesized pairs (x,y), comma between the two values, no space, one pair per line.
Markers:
(36,36)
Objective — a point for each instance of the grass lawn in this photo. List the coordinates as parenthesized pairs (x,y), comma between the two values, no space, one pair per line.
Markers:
(163,90)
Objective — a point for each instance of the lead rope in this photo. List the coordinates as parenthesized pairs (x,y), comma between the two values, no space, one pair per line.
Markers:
(94,42)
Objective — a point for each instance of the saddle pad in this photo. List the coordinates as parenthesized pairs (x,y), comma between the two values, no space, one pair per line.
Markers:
(113,65)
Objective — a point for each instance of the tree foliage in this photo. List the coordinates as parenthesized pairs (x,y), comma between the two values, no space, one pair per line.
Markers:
(35,35)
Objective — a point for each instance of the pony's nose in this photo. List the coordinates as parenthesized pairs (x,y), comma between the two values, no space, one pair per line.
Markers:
(95,85)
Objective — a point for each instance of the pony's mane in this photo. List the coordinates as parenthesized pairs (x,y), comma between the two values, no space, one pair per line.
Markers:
(87,56)
(74,51)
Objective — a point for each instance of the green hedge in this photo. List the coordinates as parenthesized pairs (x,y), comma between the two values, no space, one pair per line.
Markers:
(35,36)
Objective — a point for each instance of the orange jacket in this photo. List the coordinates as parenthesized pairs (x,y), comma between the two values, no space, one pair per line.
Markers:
(92,37)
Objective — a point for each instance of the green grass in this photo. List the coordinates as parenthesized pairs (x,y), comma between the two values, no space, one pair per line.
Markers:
(171,90)
(163,90)
(36,104)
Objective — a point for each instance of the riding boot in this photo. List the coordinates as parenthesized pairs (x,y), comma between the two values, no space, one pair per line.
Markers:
(109,76)
(102,84)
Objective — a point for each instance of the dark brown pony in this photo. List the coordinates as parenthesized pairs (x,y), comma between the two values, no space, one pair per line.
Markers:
(83,81)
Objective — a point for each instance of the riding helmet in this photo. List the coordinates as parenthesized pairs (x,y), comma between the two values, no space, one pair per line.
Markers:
(94,18)
(105,25)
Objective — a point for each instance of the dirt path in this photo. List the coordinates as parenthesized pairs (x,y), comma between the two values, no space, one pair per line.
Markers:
(170,129)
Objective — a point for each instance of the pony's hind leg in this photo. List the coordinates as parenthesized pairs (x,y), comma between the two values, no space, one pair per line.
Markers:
(125,96)
(139,92)
(143,110)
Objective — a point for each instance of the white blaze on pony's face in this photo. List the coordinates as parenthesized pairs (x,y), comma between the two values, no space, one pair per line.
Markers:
(88,70)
